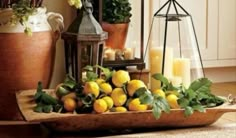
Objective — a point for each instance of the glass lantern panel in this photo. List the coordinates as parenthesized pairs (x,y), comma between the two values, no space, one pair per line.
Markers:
(182,58)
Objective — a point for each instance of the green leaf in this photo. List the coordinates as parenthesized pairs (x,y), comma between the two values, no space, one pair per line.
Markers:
(146,98)
(107,72)
(191,94)
(91,76)
(37,96)
(69,82)
(48,99)
(163,104)
(201,85)
(202,95)
(61,91)
(160,77)
(172,92)
(88,68)
(199,108)
(140,92)
(156,111)
(40,87)
(47,108)
(38,108)
(58,108)
(39,92)
(88,99)
(188,111)
(183,102)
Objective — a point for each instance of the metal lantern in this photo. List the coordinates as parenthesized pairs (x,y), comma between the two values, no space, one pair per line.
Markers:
(86,47)
(173,46)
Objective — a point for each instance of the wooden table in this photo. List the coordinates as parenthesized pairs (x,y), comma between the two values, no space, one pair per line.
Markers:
(225,127)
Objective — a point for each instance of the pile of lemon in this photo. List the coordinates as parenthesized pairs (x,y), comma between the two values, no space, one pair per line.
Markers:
(116,95)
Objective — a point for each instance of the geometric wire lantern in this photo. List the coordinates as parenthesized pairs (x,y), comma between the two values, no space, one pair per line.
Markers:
(173,46)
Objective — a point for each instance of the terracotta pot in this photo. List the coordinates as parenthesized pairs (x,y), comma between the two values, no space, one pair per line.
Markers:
(117,34)
(25,60)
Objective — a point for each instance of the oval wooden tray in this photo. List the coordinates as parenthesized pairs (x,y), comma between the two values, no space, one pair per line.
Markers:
(113,120)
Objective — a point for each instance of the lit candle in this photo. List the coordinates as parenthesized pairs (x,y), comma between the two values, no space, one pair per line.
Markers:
(128,53)
(156,57)
(110,54)
(182,69)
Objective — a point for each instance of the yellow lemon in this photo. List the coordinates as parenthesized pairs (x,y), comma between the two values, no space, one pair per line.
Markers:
(69,104)
(100,106)
(120,77)
(106,88)
(100,81)
(70,95)
(120,109)
(135,105)
(172,100)
(109,101)
(118,96)
(160,92)
(134,85)
(91,87)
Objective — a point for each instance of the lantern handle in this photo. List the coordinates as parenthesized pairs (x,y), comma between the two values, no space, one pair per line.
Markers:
(181,7)
(175,3)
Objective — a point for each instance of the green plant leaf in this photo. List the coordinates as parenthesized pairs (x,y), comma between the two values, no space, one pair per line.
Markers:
(91,76)
(188,111)
(160,77)
(191,94)
(146,98)
(88,99)
(201,85)
(61,91)
(38,108)
(47,108)
(140,92)
(88,68)
(107,72)
(40,87)
(48,99)
(69,82)
(163,104)
(183,102)
(156,111)
(58,108)
(199,108)
(39,92)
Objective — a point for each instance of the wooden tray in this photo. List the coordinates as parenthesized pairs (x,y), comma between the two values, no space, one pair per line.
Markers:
(113,120)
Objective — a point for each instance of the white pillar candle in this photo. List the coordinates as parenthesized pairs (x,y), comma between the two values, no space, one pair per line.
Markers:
(155,67)
(156,57)
(182,69)
(176,81)
(110,54)
(129,53)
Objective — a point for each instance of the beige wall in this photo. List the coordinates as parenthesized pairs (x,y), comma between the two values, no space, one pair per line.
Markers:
(68,13)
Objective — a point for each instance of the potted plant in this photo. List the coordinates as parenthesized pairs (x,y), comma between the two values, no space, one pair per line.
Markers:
(116,18)
(28,37)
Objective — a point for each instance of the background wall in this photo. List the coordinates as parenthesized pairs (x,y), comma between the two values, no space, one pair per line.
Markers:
(210,45)
(68,13)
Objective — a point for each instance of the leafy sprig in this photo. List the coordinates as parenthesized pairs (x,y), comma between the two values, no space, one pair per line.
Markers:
(45,103)
(195,98)
(157,102)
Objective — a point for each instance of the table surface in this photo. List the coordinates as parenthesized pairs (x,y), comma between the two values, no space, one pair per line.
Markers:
(224,127)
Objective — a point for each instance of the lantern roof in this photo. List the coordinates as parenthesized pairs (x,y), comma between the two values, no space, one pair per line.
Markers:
(89,25)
